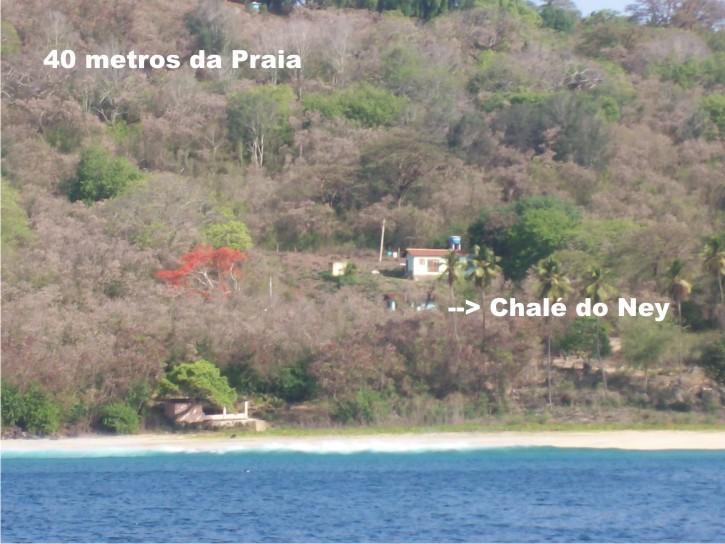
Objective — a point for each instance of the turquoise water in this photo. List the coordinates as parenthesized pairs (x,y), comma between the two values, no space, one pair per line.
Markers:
(523,494)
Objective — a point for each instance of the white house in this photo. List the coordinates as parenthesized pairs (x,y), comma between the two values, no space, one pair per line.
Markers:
(425,263)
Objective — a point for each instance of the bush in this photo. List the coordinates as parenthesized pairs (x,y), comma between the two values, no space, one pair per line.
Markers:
(259,120)
(232,234)
(41,415)
(289,383)
(497,73)
(584,337)
(357,409)
(11,401)
(206,23)
(33,411)
(712,360)
(200,380)
(119,418)
(293,383)
(100,175)
(714,107)
(365,104)
(14,230)
(561,20)
(534,229)
(581,134)
(708,72)
(11,42)
(605,31)
(646,344)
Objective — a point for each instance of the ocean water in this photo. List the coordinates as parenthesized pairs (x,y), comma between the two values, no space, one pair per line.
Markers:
(515,494)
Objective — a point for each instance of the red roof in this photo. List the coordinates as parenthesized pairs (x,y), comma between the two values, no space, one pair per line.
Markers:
(422,252)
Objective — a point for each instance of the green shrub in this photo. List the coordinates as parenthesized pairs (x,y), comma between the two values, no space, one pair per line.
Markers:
(100,175)
(327,104)
(232,234)
(707,72)
(537,227)
(609,109)
(365,104)
(258,122)
(712,360)
(11,43)
(206,25)
(41,415)
(293,383)
(357,409)
(138,396)
(585,337)
(348,277)
(561,20)
(125,135)
(581,135)
(288,382)
(64,135)
(606,30)
(501,100)
(33,411)
(714,107)
(14,230)
(119,418)
(646,344)
(200,380)
(498,73)
(11,404)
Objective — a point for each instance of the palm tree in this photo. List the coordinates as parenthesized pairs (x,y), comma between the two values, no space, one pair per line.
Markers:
(453,270)
(713,260)
(553,284)
(598,290)
(678,289)
(482,269)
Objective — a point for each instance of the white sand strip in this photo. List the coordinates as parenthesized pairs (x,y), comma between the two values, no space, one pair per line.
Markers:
(139,444)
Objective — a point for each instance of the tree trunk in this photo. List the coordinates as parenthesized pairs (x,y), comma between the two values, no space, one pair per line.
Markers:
(719,284)
(483,311)
(601,365)
(679,333)
(548,366)
(455,314)
(646,377)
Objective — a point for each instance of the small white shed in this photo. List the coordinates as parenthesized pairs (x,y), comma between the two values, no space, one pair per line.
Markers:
(424,263)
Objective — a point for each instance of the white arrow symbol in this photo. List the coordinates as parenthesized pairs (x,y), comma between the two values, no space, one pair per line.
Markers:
(472,307)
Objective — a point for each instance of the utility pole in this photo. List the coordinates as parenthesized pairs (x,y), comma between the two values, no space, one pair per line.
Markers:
(382,241)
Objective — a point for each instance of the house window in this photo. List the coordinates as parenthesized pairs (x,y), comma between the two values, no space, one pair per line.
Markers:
(433,265)
(421,262)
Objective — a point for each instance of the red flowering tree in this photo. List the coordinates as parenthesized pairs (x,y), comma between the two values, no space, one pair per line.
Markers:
(205,269)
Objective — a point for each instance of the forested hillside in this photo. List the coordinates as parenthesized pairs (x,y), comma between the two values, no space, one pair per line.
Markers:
(152,218)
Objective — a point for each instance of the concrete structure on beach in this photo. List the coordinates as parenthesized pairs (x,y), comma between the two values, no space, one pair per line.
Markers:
(189,412)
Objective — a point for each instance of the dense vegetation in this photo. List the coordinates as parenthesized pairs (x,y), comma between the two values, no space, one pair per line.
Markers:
(170,231)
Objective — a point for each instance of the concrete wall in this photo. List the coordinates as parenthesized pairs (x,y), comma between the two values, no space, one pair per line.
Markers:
(183,412)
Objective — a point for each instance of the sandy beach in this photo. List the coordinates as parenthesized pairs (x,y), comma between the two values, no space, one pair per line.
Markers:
(144,443)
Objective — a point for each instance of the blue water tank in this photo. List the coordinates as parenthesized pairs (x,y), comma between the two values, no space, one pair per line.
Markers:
(454,242)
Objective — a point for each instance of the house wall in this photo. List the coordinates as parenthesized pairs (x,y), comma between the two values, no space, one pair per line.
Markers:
(418,267)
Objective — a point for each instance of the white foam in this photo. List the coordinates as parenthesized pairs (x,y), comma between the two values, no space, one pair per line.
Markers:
(107,446)
(321,446)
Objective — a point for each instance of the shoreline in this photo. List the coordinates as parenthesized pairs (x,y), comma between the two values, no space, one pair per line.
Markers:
(127,445)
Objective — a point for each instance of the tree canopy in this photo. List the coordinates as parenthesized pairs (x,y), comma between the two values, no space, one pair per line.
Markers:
(200,380)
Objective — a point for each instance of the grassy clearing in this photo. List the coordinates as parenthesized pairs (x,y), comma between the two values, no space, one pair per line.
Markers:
(496,427)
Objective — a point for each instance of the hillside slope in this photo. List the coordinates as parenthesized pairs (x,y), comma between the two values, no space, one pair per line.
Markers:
(599,144)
